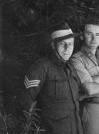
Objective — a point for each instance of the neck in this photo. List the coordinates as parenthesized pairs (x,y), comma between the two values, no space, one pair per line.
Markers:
(92,50)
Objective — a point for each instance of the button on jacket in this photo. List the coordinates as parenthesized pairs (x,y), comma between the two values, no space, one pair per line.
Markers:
(54,84)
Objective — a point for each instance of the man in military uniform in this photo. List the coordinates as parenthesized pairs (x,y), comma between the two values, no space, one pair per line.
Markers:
(86,62)
(53,82)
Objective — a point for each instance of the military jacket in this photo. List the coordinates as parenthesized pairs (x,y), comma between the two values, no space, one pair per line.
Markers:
(55,85)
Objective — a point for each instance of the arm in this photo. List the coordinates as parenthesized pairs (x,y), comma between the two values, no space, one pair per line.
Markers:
(88,86)
(82,72)
(96,78)
(33,83)
(92,88)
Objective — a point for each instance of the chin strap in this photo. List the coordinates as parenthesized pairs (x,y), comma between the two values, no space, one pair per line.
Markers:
(58,55)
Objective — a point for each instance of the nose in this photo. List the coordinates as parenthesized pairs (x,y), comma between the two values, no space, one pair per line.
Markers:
(93,37)
(65,46)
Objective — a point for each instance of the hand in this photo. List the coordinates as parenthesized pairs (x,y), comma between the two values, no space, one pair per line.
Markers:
(96,78)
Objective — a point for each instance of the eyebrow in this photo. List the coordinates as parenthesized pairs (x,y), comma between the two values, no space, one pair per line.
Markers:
(90,32)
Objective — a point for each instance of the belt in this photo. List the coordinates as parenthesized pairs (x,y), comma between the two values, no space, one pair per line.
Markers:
(92,100)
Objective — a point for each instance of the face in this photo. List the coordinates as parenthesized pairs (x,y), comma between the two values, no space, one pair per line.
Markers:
(91,35)
(65,48)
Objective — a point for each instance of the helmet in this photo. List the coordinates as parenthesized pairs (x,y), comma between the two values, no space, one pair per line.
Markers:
(61,32)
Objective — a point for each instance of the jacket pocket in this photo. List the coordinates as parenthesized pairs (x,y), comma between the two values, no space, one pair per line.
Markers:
(62,89)
(58,88)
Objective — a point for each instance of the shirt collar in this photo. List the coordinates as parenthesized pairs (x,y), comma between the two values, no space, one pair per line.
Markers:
(90,55)
(65,65)
(86,51)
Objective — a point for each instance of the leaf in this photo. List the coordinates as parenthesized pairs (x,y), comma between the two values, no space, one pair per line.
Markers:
(3,126)
(27,114)
(10,121)
(33,106)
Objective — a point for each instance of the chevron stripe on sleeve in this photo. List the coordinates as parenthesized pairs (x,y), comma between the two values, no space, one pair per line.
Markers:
(31,83)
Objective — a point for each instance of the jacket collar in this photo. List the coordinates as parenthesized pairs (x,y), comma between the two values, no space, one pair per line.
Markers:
(57,61)
(91,56)
(65,65)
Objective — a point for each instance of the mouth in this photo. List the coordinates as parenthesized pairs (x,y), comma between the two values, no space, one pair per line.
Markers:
(66,54)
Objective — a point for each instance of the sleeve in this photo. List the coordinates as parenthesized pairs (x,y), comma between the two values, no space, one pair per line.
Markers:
(34,80)
(81,70)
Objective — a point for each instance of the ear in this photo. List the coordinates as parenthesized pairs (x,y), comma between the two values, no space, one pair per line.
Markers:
(52,45)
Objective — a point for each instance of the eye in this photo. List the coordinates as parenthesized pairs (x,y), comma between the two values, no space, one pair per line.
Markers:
(88,33)
(70,43)
(61,43)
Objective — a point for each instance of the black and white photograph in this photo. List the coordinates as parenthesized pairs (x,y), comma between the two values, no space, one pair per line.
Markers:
(49,67)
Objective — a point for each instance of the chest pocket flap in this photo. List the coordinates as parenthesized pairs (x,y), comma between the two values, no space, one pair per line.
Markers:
(58,87)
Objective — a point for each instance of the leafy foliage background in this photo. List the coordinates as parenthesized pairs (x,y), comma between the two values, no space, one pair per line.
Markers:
(24,39)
